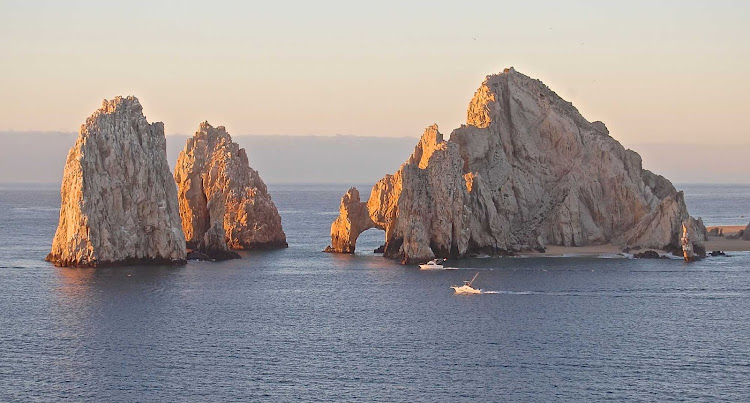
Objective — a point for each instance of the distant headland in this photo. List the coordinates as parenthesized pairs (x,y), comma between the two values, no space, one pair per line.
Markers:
(525,172)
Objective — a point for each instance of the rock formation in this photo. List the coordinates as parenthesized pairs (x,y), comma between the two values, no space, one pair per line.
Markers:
(649,254)
(353,219)
(527,170)
(687,246)
(223,202)
(119,201)
(746,233)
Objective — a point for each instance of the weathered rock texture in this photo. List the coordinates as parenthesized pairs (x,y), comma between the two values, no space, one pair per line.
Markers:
(687,245)
(224,204)
(527,170)
(746,233)
(119,201)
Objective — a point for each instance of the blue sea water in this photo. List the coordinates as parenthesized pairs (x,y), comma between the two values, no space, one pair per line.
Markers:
(298,324)
(718,204)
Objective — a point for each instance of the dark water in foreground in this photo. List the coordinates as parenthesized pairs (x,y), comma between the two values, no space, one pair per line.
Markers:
(300,324)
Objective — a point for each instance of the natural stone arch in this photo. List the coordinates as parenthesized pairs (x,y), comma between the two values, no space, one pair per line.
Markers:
(354,219)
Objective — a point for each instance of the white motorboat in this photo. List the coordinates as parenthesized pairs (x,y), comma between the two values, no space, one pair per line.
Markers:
(435,264)
(467,287)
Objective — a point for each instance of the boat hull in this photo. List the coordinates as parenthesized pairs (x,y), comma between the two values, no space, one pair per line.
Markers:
(465,290)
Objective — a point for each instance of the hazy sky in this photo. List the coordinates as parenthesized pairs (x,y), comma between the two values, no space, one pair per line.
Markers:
(666,72)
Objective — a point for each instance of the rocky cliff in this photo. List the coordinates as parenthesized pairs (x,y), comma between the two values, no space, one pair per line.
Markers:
(218,189)
(527,170)
(119,201)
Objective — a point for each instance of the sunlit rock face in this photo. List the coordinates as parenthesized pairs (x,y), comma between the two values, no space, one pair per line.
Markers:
(527,170)
(353,219)
(218,189)
(119,201)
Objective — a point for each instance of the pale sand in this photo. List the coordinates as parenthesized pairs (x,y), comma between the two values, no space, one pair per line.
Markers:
(727,229)
(596,250)
(713,243)
(582,250)
(724,244)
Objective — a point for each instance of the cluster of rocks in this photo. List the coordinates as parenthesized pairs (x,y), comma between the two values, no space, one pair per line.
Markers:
(120,203)
(688,252)
(527,170)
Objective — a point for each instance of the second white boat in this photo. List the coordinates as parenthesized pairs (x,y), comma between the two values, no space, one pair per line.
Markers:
(435,264)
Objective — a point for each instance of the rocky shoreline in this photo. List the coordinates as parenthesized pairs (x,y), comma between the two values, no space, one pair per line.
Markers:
(526,175)
(525,172)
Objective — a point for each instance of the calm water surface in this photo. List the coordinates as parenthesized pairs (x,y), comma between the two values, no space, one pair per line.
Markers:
(298,324)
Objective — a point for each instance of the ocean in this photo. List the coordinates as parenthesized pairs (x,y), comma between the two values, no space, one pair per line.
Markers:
(299,324)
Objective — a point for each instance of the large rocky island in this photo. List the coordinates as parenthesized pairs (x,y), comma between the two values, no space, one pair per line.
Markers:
(526,171)
(119,200)
(224,203)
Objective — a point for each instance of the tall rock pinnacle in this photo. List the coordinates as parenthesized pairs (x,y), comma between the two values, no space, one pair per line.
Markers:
(119,201)
(218,190)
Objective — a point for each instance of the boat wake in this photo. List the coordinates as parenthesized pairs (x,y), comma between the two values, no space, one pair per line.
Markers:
(512,292)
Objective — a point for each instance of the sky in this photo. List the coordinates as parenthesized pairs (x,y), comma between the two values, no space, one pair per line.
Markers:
(655,72)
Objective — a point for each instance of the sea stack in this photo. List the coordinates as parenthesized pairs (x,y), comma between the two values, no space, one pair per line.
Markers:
(119,201)
(527,170)
(222,200)
(687,245)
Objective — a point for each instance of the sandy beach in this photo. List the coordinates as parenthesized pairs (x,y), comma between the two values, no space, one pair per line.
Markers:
(595,250)
(723,243)
(713,243)
(727,229)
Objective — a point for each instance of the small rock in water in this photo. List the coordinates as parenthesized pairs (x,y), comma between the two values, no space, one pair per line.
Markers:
(649,254)
(198,255)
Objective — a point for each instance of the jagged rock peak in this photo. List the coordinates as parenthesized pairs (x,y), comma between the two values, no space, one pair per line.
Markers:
(525,171)
(218,189)
(118,198)
(430,141)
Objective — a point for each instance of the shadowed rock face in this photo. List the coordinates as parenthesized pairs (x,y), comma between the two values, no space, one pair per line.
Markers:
(527,170)
(746,233)
(119,201)
(220,194)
